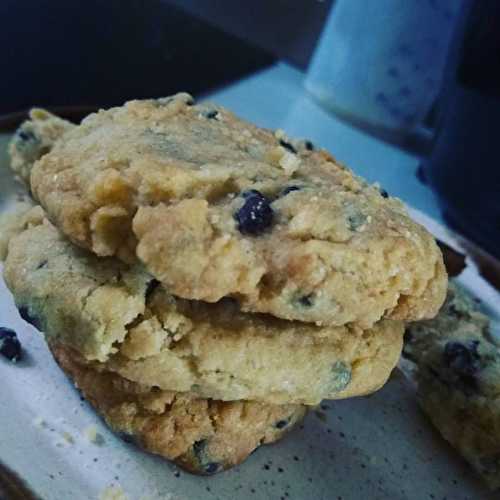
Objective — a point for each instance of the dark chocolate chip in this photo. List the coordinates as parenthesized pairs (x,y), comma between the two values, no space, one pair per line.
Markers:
(200,451)
(289,189)
(356,220)
(29,317)
(126,437)
(281,424)
(151,287)
(307,300)
(10,347)
(454,311)
(7,332)
(288,146)
(464,362)
(212,468)
(463,359)
(256,214)
(211,115)
(250,193)
(26,135)
(199,448)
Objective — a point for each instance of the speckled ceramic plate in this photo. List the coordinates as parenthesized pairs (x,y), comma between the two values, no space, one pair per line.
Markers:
(375,447)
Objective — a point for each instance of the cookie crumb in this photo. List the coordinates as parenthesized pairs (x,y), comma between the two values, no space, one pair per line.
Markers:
(39,422)
(280,134)
(92,435)
(112,493)
(289,163)
(67,437)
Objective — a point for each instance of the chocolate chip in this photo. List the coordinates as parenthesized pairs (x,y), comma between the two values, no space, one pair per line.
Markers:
(24,135)
(10,347)
(250,193)
(211,115)
(126,437)
(199,448)
(150,288)
(307,300)
(464,362)
(207,465)
(281,424)
(212,468)
(289,189)
(29,317)
(288,146)
(356,220)
(27,142)
(256,214)
(463,359)
(454,311)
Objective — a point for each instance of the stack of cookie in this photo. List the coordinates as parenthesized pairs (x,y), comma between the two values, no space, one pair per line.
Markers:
(204,281)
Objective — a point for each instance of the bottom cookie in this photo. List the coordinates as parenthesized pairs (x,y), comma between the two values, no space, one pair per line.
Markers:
(202,436)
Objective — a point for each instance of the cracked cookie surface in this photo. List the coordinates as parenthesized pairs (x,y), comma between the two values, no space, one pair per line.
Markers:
(115,313)
(457,370)
(201,435)
(216,207)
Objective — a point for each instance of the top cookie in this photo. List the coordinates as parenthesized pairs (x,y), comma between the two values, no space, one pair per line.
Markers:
(216,207)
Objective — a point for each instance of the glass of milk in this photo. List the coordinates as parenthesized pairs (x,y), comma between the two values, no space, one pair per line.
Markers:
(380,63)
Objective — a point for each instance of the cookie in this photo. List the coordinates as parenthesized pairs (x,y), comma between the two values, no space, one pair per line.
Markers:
(458,378)
(201,435)
(116,313)
(34,138)
(13,221)
(216,207)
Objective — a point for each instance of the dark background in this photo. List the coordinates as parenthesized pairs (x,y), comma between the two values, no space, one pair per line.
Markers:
(103,52)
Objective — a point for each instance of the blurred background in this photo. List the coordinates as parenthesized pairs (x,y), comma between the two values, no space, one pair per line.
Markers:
(103,52)
(406,92)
